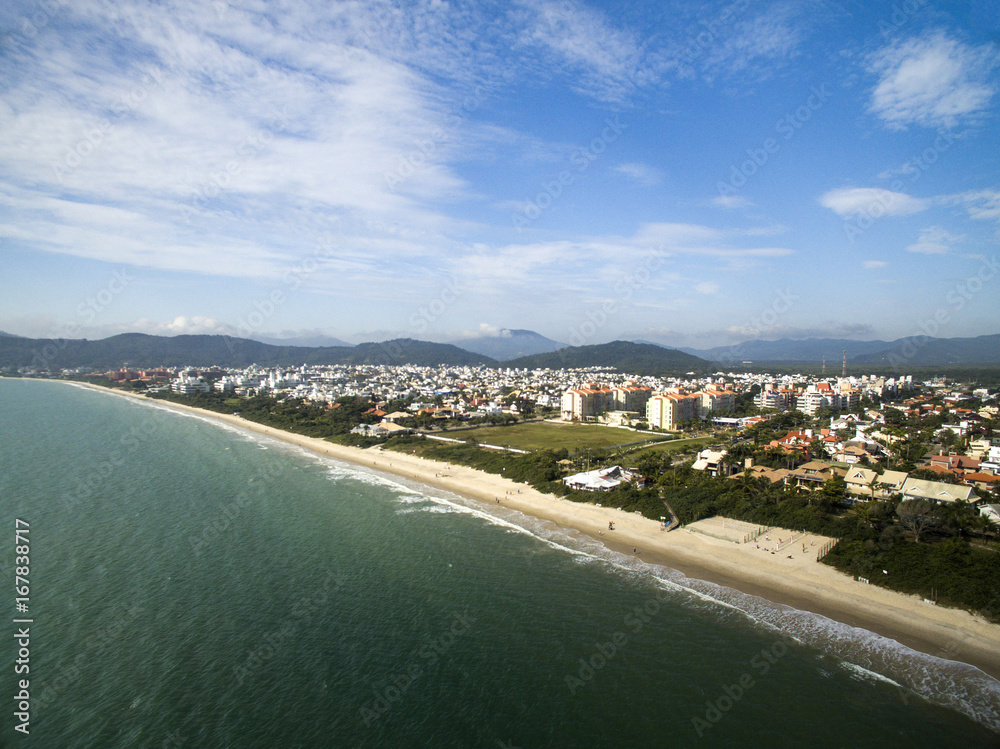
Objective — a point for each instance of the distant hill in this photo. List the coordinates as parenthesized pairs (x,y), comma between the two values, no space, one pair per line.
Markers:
(934,352)
(790,350)
(9,335)
(625,356)
(141,350)
(309,341)
(510,344)
(914,351)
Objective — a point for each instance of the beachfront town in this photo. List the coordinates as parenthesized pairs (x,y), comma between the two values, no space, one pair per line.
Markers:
(854,429)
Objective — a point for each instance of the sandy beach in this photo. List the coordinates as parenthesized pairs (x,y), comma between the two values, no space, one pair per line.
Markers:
(799,581)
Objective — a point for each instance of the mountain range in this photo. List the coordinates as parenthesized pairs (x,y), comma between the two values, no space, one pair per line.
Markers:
(912,350)
(510,344)
(625,356)
(138,350)
(141,350)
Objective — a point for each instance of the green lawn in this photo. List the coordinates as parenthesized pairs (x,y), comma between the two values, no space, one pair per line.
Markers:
(693,443)
(544,435)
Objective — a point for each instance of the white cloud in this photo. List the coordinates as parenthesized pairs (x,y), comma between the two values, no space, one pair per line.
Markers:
(706,287)
(610,60)
(874,264)
(731,201)
(932,81)
(485,330)
(183,325)
(934,241)
(981,204)
(645,175)
(871,201)
(754,44)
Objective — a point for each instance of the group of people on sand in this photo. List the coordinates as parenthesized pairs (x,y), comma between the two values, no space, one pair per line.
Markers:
(611,525)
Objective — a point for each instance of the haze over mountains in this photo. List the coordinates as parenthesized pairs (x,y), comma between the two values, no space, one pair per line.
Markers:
(505,350)
(138,350)
(917,350)
(509,344)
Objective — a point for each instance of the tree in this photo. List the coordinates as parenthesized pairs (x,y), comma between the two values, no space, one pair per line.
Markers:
(917,516)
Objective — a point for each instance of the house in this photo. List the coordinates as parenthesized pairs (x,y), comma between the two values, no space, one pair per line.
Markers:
(813,474)
(710,461)
(957,464)
(851,453)
(991,511)
(889,483)
(774,475)
(982,480)
(861,482)
(603,479)
(384,429)
(937,491)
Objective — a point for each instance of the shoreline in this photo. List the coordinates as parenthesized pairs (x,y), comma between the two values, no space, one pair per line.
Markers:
(800,583)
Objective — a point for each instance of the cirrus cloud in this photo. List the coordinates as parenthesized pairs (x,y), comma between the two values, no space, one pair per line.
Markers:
(933,81)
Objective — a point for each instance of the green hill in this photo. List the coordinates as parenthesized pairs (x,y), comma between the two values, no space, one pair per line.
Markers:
(625,356)
(141,350)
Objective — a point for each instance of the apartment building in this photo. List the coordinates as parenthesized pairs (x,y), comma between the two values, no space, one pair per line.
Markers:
(715,400)
(589,402)
(667,410)
(581,404)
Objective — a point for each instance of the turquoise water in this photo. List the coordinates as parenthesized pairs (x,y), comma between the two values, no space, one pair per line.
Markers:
(195,585)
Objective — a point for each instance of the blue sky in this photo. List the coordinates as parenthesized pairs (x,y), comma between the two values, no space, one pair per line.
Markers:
(693,174)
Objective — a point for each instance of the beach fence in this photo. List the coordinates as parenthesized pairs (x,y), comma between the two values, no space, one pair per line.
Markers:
(786,542)
(728,529)
(823,550)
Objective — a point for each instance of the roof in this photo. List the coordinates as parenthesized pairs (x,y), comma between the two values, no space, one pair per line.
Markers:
(601,479)
(892,478)
(860,476)
(937,491)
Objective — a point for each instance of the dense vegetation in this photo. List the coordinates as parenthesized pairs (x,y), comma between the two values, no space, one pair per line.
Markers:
(625,356)
(140,350)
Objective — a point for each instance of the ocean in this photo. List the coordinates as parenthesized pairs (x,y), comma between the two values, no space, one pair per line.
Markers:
(196,585)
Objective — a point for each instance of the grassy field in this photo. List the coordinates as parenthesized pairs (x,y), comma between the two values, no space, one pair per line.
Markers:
(694,443)
(545,435)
